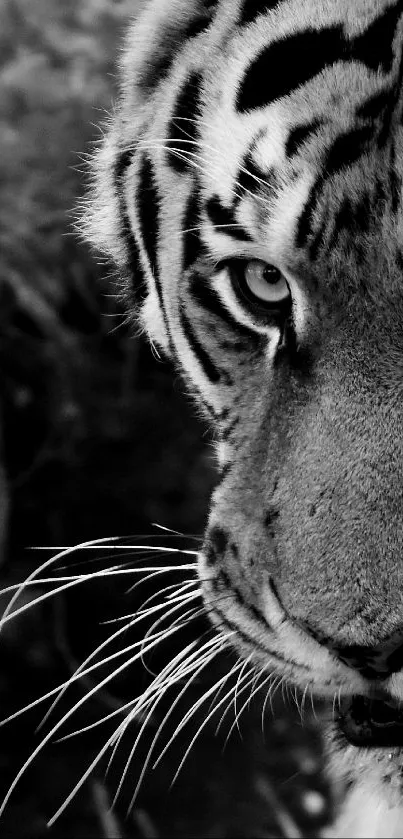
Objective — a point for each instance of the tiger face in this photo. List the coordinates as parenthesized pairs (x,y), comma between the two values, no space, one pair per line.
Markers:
(250,191)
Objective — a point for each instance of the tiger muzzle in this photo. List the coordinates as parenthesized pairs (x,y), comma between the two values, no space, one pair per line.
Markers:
(371,723)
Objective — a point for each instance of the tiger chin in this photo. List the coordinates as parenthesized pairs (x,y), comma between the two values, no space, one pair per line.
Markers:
(249,190)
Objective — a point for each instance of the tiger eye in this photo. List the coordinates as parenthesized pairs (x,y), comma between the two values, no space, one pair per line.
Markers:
(265,282)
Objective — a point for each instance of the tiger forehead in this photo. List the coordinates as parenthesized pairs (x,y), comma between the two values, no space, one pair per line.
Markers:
(292,104)
(308,56)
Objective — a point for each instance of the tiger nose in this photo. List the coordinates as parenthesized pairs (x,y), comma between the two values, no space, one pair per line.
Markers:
(374,663)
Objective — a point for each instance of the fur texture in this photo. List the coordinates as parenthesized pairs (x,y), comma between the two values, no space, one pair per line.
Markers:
(271,132)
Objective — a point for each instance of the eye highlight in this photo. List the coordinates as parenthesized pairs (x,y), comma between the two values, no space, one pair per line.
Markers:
(259,284)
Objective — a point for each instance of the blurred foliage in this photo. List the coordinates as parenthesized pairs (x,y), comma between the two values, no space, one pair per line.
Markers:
(86,440)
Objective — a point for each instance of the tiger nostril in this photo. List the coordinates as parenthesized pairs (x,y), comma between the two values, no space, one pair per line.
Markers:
(374,663)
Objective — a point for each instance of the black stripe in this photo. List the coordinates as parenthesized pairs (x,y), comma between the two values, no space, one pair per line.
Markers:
(250,176)
(395,181)
(389,111)
(305,222)
(297,358)
(225,433)
(148,212)
(223,415)
(134,264)
(362,213)
(374,47)
(209,368)
(221,217)
(211,414)
(345,151)
(341,222)
(253,642)
(318,239)
(148,202)
(123,162)
(192,244)
(374,106)
(252,8)
(299,135)
(182,130)
(355,217)
(303,55)
(236,347)
(225,471)
(206,297)
(348,148)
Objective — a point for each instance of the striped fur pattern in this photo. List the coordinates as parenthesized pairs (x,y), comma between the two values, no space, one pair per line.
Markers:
(269,133)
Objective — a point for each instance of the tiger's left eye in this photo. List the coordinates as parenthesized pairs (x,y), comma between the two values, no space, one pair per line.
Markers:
(265,283)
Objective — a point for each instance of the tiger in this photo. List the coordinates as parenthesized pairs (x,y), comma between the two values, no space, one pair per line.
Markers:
(248,189)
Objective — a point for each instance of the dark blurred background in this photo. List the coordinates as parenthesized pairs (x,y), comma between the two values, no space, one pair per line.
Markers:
(100,439)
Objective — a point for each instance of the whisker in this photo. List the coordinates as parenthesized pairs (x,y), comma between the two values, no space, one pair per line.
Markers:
(110,715)
(104,572)
(236,694)
(97,723)
(167,676)
(197,705)
(172,532)
(82,781)
(200,663)
(83,669)
(273,687)
(72,710)
(134,618)
(190,157)
(163,143)
(202,726)
(303,700)
(217,151)
(239,681)
(94,547)
(78,579)
(84,777)
(233,226)
(47,564)
(247,702)
(182,618)
(157,573)
(70,681)
(184,587)
(246,681)
(313,704)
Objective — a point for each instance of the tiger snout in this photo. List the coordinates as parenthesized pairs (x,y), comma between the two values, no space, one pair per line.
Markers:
(317,548)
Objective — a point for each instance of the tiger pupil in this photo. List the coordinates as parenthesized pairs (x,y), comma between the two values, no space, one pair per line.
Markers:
(271,275)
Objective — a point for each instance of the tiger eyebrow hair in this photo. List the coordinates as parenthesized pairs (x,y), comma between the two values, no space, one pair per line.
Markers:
(221,216)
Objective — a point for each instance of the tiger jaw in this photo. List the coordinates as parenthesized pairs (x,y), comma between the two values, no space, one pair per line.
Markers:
(366,723)
(369,714)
